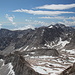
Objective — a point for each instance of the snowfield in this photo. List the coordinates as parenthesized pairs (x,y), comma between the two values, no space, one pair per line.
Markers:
(50,65)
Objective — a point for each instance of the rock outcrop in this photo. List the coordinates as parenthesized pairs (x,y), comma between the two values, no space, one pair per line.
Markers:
(69,71)
(20,65)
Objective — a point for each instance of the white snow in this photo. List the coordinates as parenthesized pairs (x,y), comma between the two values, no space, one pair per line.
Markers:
(32,52)
(7,69)
(19,49)
(59,45)
(48,63)
(39,69)
(51,65)
(46,70)
(71,51)
(11,72)
(48,45)
(50,27)
(42,57)
(33,48)
(26,48)
(63,43)
(2,62)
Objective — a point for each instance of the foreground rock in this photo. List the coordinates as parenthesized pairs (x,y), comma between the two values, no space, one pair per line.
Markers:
(69,71)
(19,66)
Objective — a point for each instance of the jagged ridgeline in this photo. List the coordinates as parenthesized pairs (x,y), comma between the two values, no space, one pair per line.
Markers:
(46,36)
(43,51)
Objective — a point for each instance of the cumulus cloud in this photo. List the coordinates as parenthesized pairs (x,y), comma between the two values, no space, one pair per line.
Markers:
(56,6)
(10,18)
(39,12)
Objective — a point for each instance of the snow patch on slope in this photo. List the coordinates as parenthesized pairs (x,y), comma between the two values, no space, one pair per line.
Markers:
(50,27)
(59,45)
(39,69)
(63,43)
(11,72)
(6,69)
(1,63)
(46,70)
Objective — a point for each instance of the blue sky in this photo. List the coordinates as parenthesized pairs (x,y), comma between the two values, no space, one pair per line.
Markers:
(23,14)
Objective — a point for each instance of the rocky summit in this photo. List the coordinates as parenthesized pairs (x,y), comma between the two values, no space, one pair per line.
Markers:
(47,50)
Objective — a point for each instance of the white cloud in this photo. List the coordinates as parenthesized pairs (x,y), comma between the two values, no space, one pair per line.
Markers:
(0,25)
(10,18)
(55,17)
(39,12)
(57,6)
(69,21)
(25,27)
(29,26)
(35,22)
(58,17)
(73,18)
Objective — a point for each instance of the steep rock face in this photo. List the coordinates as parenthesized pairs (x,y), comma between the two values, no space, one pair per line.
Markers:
(71,45)
(53,37)
(45,35)
(69,71)
(6,69)
(7,37)
(20,65)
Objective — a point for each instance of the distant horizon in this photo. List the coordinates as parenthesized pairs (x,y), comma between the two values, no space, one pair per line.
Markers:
(34,28)
(21,14)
